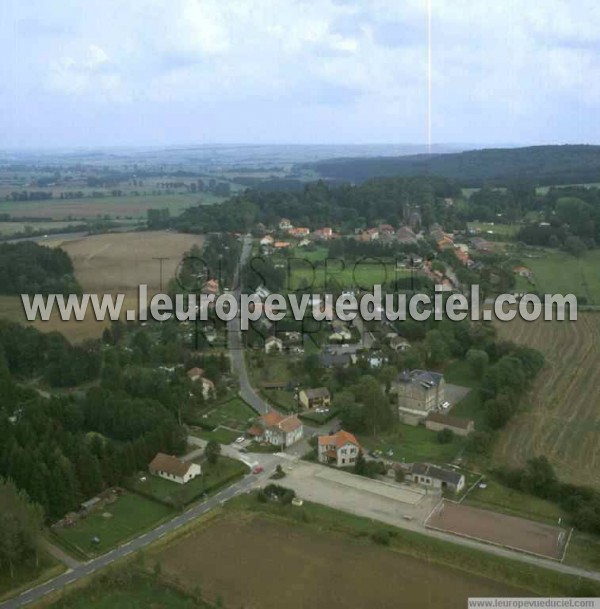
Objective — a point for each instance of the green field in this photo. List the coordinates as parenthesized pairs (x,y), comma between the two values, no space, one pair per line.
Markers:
(471,406)
(234,413)
(410,444)
(503,499)
(317,276)
(131,515)
(126,206)
(213,478)
(222,436)
(128,591)
(556,272)
(506,231)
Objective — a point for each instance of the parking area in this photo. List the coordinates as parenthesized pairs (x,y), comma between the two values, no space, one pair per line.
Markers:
(455,393)
(386,501)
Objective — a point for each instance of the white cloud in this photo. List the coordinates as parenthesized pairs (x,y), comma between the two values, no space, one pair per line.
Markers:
(353,60)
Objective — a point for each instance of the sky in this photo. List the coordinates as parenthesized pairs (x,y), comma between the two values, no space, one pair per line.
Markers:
(91,73)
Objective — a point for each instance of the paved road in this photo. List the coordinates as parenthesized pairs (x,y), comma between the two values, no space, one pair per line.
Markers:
(83,569)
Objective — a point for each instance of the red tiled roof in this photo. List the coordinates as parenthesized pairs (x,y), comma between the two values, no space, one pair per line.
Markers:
(339,439)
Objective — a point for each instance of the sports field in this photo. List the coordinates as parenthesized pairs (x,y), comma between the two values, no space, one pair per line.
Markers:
(499,529)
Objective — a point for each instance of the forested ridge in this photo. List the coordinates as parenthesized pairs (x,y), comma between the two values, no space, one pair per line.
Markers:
(543,165)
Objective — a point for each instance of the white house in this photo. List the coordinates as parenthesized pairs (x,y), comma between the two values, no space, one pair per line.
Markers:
(285,224)
(272,343)
(435,477)
(174,469)
(340,449)
(277,429)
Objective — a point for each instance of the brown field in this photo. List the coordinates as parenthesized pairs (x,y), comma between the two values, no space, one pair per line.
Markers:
(561,418)
(111,263)
(499,529)
(254,561)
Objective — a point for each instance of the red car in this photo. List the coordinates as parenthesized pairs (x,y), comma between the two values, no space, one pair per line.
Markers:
(258,469)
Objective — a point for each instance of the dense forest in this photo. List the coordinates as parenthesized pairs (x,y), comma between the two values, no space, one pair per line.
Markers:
(385,200)
(543,165)
(29,268)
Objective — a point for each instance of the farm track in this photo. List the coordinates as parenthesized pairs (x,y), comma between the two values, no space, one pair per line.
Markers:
(561,418)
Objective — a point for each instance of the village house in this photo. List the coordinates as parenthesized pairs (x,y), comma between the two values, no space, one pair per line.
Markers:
(523,271)
(267,241)
(281,245)
(406,235)
(299,231)
(208,387)
(436,477)
(399,343)
(277,429)
(436,421)
(323,233)
(418,393)
(272,344)
(340,449)
(336,360)
(314,398)
(174,469)
(285,224)
(211,287)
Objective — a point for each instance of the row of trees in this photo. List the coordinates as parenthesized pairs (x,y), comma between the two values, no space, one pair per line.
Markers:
(539,478)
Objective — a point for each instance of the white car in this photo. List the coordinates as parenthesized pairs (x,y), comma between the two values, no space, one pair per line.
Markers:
(446,405)
(239,440)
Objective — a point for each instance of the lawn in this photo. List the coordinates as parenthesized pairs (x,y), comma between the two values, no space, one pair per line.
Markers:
(281,398)
(469,407)
(220,435)
(234,413)
(213,478)
(506,231)
(336,273)
(555,272)
(500,498)
(131,515)
(411,444)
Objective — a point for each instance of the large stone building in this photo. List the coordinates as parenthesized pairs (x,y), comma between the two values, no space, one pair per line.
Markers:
(419,392)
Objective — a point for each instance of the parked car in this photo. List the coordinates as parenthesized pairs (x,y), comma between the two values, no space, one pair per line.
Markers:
(446,405)
(239,440)
(258,469)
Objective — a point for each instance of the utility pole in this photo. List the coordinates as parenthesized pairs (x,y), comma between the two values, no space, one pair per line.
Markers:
(161,259)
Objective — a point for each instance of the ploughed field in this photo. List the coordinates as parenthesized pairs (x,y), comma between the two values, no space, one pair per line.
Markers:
(255,561)
(561,415)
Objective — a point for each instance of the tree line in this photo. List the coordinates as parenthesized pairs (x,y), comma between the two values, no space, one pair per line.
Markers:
(29,268)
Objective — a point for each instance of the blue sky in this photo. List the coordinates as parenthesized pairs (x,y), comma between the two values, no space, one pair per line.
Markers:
(158,72)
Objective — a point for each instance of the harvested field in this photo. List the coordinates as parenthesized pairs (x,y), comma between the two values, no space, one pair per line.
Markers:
(254,561)
(499,529)
(119,262)
(111,263)
(561,414)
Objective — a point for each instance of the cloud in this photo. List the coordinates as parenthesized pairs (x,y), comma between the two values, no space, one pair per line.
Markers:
(347,68)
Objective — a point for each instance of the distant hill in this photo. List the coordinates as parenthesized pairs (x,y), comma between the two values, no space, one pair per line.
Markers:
(542,165)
